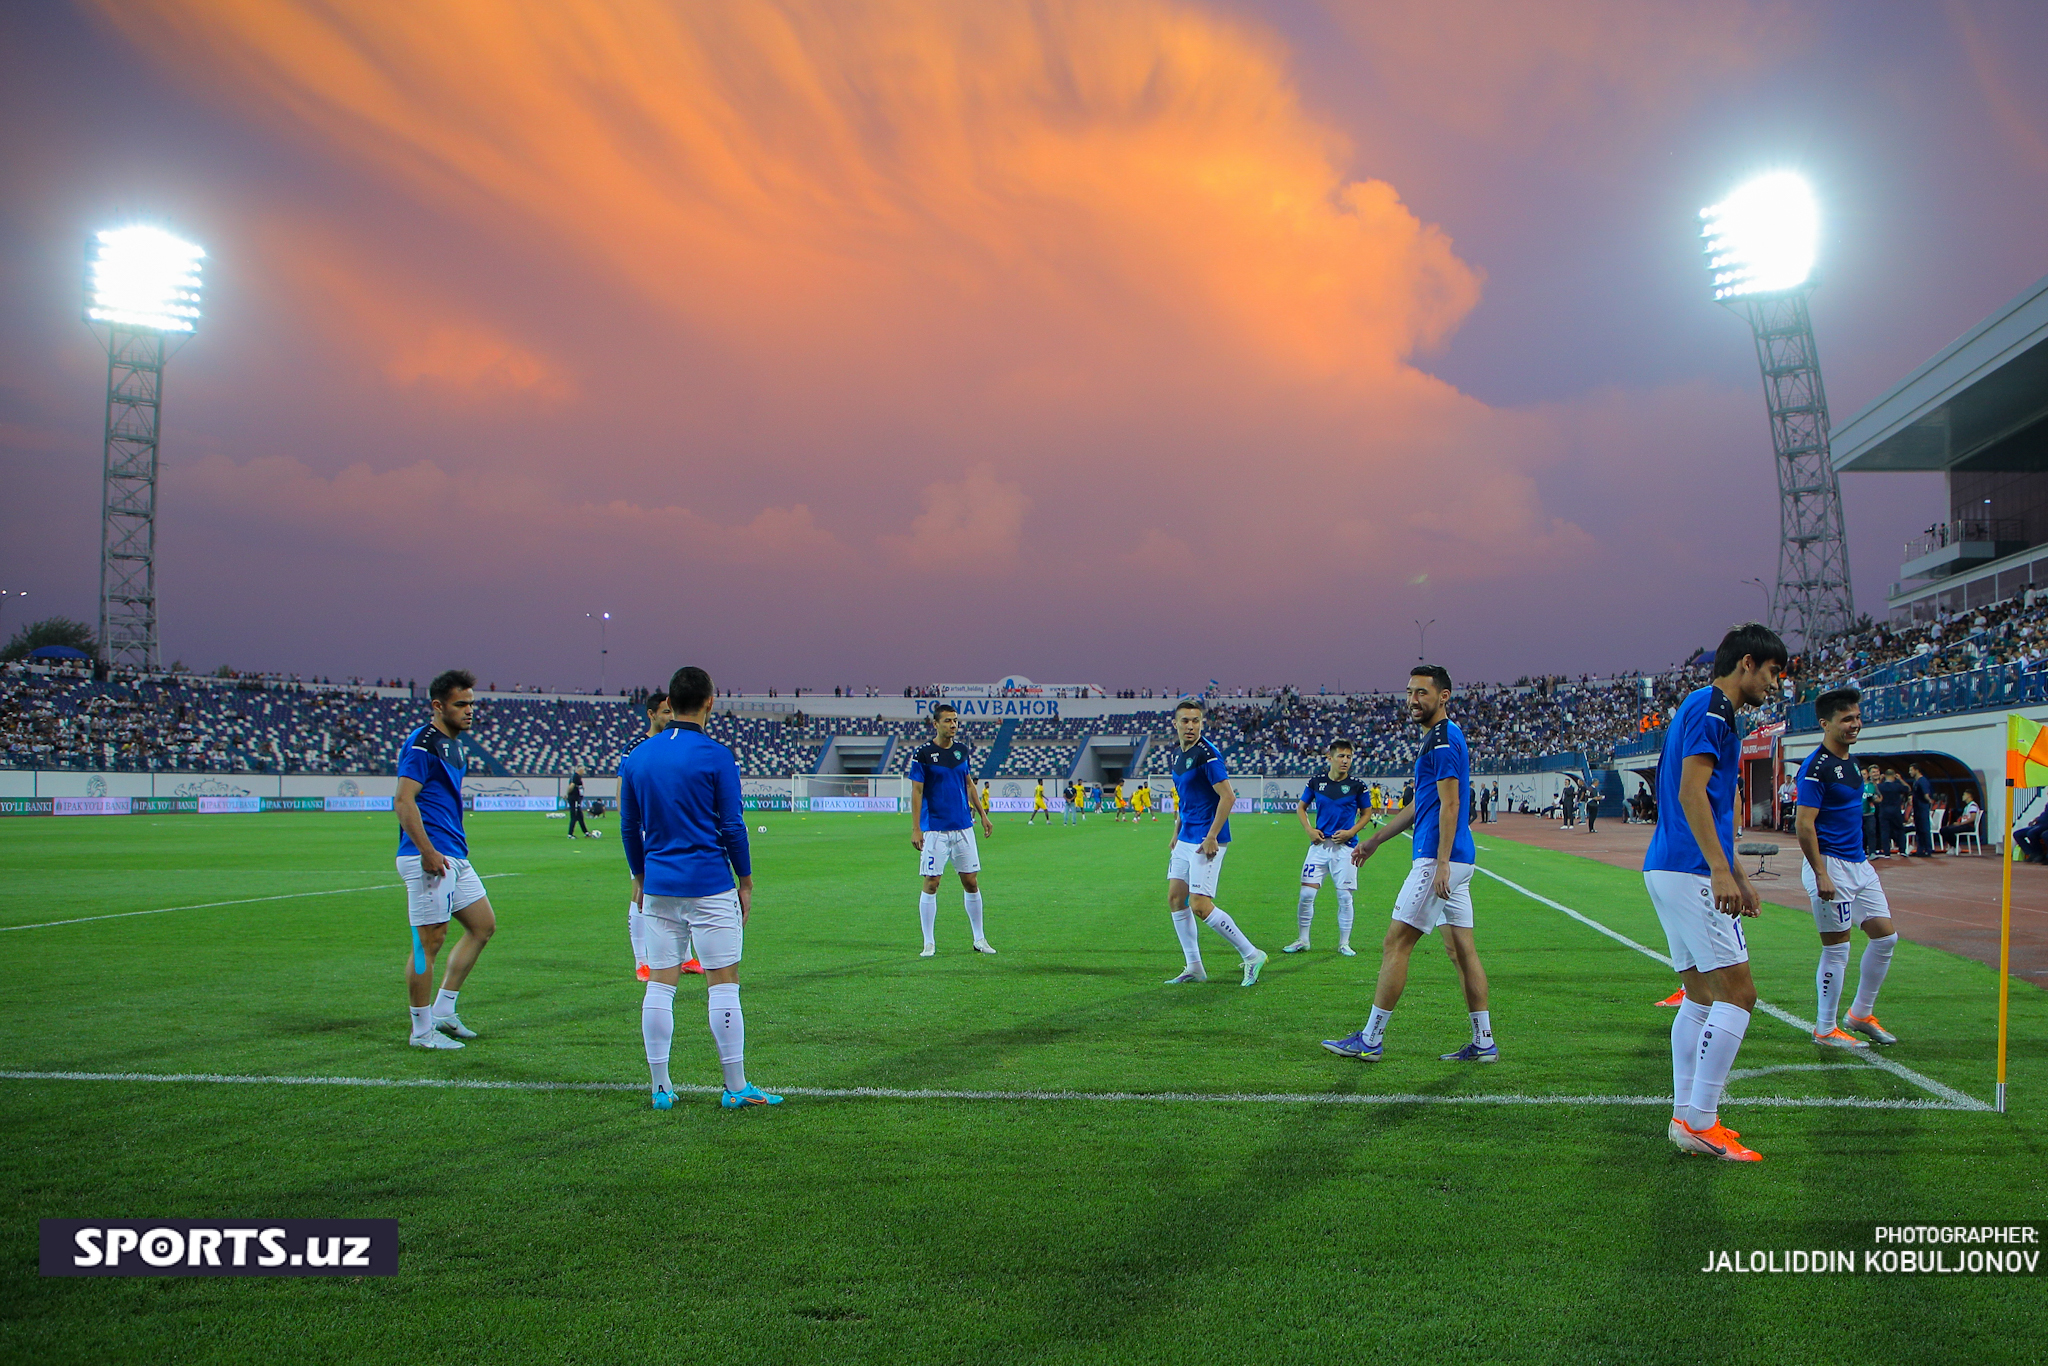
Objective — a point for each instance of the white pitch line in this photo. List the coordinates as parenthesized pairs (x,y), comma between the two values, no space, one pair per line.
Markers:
(1746,1073)
(891,1093)
(1956,1099)
(241,901)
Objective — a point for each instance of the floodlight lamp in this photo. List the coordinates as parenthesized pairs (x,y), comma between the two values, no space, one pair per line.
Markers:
(1762,239)
(143,277)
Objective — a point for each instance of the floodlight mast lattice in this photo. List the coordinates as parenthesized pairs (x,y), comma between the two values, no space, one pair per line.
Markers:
(1760,244)
(142,292)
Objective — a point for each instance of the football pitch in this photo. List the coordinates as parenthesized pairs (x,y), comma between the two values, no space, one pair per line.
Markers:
(1044,1156)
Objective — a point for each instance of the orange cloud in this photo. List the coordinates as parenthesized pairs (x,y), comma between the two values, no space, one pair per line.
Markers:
(794,174)
(415,335)
(971,523)
(1571,77)
(2022,126)
(1100,257)
(399,509)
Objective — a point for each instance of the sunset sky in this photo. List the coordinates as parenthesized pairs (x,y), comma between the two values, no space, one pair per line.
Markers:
(1124,341)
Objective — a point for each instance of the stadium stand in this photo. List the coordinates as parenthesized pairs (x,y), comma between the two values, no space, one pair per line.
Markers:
(1995,655)
(61,719)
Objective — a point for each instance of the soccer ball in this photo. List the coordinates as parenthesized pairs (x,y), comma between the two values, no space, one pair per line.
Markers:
(764,829)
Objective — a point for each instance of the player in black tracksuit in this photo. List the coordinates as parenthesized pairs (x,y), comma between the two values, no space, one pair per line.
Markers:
(576,805)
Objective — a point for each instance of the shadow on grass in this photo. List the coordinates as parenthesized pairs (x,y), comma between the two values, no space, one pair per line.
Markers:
(1113,1301)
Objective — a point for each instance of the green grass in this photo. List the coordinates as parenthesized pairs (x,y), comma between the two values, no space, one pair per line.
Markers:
(582,1226)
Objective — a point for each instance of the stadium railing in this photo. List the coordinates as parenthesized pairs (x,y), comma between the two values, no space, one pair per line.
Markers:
(1990,689)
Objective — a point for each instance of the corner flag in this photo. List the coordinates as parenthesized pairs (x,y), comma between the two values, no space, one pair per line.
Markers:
(2026,752)
(2026,765)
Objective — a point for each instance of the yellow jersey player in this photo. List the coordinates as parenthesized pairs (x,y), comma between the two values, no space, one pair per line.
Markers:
(1038,805)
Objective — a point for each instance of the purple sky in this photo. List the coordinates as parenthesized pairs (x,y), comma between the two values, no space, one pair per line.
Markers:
(1140,344)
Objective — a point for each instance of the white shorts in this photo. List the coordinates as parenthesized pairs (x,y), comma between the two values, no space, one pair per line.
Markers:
(1418,905)
(433,900)
(942,846)
(1334,858)
(1859,897)
(671,925)
(1186,864)
(1700,936)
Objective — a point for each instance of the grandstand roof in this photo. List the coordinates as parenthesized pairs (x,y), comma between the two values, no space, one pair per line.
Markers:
(1982,403)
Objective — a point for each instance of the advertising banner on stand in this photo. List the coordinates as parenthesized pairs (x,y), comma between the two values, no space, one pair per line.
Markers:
(505,802)
(227,806)
(94,806)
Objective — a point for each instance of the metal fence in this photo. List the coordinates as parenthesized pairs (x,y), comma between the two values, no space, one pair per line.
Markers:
(1995,688)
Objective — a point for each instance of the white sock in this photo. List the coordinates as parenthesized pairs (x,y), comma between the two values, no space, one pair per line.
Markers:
(1343,916)
(1877,961)
(729,1032)
(636,932)
(1482,1028)
(1720,1039)
(1376,1026)
(1305,913)
(422,1020)
(658,1028)
(444,1003)
(1685,1056)
(1225,926)
(973,900)
(928,914)
(1827,985)
(1184,926)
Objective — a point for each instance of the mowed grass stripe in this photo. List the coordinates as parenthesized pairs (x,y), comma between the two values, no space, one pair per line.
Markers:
(210,905)
(905,1228)
(837,997)
(897,1093)
(1871,1057)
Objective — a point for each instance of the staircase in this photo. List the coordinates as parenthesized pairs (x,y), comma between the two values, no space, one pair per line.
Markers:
(491,764)
(1613,800)
(999,748)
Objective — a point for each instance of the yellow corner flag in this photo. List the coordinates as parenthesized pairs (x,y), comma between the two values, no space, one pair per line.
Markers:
(2026,752)
(2026,765)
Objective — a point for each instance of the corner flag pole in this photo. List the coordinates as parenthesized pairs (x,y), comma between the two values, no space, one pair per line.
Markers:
(2004,938)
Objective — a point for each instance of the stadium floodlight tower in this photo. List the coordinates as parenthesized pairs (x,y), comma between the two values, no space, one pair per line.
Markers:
(142,294)
(1761,242)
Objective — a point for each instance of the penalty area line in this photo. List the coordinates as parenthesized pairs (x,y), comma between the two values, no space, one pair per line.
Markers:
(239,901)
(892,1093)
(1956,1100)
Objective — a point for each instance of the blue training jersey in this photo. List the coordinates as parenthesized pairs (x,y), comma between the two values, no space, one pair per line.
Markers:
(1834,789)
(679,814)
(1196,771)
(1336,802)
(1443,756)
(1703,724)
(434,761)
(947,775)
